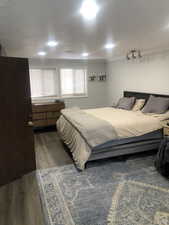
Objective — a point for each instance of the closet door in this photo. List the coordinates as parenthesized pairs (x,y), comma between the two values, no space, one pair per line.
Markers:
(17,156)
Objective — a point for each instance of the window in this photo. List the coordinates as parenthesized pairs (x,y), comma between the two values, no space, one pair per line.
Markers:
(43,83)
(48,83)
(73,82)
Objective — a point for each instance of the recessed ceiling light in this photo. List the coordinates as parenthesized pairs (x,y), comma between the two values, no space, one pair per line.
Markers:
(89,9)
(42,53)
(166,27)
(85,54)
(110,46)
(52,43)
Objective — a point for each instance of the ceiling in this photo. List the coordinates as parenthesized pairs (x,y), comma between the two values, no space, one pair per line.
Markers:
(26,26)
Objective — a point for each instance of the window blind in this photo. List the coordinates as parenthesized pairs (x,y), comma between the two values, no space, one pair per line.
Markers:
(43,83)
(73,82)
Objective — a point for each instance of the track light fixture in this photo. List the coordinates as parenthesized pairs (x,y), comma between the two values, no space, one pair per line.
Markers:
(134,54)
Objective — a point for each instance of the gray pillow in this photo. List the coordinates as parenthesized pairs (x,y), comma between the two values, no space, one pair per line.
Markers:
(126,103)
(156,105)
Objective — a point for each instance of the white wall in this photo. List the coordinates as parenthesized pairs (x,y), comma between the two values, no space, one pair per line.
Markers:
(97,91)
(150,75)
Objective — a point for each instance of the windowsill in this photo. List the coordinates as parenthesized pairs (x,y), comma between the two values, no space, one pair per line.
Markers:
(52,99)
(69,96)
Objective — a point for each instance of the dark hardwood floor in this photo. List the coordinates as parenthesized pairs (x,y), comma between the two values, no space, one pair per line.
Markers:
(49,151)
(19,201)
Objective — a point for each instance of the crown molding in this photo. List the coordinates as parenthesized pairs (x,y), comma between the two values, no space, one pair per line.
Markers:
(144,53)
(59,60)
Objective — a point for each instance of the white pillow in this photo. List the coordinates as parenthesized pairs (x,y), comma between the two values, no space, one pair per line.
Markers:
(161,117)
(138,104)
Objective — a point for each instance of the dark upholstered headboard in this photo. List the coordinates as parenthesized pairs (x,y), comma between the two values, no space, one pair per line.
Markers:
(141,95)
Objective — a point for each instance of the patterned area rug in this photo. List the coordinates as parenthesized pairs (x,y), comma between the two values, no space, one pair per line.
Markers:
(112,192)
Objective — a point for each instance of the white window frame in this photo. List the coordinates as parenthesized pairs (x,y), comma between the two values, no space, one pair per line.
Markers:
(58,78)
(85,95)
(49,97)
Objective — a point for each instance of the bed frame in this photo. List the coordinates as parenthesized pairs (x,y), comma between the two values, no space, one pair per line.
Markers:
(132,145)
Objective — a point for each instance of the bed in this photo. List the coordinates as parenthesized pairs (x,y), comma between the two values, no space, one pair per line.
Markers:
(108,132)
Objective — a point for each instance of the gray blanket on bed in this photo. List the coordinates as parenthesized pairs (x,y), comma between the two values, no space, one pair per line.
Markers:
(94,130)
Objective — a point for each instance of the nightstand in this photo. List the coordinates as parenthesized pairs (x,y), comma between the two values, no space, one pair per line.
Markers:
(166,130)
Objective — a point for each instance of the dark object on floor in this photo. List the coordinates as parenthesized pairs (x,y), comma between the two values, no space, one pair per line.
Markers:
(162,158)
(45,129)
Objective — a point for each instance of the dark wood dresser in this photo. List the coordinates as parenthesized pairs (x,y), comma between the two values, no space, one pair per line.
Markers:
(45,115)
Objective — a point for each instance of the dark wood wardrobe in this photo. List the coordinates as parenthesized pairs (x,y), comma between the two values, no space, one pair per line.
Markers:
(17,156)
